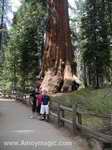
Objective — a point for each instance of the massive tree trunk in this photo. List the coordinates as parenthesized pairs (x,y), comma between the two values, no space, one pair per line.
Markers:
(57,67)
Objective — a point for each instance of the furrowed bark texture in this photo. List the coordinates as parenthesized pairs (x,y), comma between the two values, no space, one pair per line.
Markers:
(57,65)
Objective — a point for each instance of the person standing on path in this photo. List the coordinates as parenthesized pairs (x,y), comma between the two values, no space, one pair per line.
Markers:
(45,106)
(33,95)
(39,100)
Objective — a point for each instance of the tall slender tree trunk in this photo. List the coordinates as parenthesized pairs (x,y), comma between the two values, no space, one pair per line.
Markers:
(2,23)
(58,54)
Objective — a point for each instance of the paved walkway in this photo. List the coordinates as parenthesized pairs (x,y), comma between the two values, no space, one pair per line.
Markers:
(19,132)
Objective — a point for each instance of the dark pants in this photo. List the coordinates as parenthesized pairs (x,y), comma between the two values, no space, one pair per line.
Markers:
(38,108)
(34,106)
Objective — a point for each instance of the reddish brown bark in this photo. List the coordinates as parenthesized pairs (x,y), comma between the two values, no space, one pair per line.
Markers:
(58,53)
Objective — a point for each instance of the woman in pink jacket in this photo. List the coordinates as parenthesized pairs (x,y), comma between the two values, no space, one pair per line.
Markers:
(39,100)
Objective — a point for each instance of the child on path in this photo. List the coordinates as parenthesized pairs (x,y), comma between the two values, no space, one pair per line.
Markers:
(45,106)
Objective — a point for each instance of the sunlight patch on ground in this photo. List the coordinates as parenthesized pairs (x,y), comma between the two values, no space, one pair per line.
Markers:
(23,131)
(6,100)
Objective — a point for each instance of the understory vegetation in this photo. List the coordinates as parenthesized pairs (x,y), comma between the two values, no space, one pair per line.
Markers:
(97,100)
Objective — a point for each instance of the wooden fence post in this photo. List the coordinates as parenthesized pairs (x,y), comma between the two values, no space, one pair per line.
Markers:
(58,111)
(110,122)
(74,117)
(79,117)
(63,115)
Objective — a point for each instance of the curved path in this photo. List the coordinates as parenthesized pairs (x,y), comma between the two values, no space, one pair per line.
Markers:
(19,132)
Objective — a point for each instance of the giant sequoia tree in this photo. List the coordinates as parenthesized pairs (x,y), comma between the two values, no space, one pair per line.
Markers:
(57,67)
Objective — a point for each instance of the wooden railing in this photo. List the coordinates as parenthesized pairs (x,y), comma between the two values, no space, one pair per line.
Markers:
(76,121)
(77,118)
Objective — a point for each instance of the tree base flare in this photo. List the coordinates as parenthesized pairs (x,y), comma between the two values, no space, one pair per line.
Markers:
(51,82)
(71,82)
(67,86)
(55,83)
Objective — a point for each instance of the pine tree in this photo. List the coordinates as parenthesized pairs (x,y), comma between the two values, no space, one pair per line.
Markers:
(97,53)
(23,52)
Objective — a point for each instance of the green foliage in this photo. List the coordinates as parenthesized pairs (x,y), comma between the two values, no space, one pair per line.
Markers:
(98,101)
(77,11)
(4,6)
(95,42)
(23,53)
